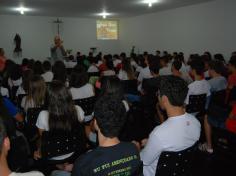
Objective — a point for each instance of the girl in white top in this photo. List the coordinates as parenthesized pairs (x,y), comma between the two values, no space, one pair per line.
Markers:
(93,68)
(79,86)
(47,68)
(24,87)
(36,94)
(15,76)
(126,72)
(107,60)
(62,114)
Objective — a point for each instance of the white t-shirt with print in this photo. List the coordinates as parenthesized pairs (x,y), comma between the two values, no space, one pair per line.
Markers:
(83,92)
(175,134)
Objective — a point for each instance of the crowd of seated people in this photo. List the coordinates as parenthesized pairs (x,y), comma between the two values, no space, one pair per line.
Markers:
(71,119)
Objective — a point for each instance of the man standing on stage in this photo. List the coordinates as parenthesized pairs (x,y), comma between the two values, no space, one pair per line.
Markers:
(57,51)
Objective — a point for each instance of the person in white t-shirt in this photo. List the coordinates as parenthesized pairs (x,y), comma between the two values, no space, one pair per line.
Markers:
(62,114)
(4,148)
(47,75)
(24,87)
(116,60)
(200,85)
(126,72)
(15,78)
(109,67)
(179,132)
(93,68)
(176,71)
(166,66)
(36,93)
(79,86)
(145,73)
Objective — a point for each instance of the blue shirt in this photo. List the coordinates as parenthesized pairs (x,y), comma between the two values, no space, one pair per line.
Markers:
(11,108)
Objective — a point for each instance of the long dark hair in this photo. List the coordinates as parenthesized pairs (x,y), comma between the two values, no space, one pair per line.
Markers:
(111,85)
(126,66)
(62,112)
(59,71)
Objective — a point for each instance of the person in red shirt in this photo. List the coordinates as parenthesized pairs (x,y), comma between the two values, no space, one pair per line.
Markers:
(2,60)
(231,78)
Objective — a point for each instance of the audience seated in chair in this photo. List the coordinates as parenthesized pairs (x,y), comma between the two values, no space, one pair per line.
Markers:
(4,148)
(79,86)
(47,75)
(180,131)
(177,163)
(61,115)
(110,115)
(200,85)
(219,116)
(36,93)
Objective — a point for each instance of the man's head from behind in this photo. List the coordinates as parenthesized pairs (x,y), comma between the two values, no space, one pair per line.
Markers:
(173,92)
(4,140)
(110,115)
(197,66)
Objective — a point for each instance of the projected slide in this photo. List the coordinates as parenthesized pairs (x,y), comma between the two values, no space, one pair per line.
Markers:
(107,30)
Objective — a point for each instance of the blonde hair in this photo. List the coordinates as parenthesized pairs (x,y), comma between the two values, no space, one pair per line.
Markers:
(37,90)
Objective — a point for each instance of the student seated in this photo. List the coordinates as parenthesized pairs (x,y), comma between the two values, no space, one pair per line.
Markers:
(93,67)
(4,148)
(176,71)
(112,157)
(223,120)
(217,81)
(36,94)
(107,68)
(62,114)
(23,89)
(3,91)
(166,67)
(11,109)
(126,72)
(79,86)
(232,77)
(200,85)
(145,72)
(180,131)
(47,75)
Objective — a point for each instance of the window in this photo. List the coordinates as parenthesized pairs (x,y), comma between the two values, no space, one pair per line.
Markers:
(107,30)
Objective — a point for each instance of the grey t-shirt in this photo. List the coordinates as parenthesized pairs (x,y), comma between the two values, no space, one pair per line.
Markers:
(218,83)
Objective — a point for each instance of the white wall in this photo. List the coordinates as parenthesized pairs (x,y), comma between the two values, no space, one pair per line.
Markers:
(37,35)
(192,29)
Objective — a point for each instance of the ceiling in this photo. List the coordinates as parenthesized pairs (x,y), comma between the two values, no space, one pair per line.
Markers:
(89,8)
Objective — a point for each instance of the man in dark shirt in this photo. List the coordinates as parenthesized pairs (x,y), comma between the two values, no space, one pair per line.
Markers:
(112,157)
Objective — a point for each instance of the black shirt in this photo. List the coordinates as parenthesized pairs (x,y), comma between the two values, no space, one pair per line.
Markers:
(119,160)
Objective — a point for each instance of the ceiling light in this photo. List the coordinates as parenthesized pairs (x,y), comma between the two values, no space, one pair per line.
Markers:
(22,10)
(104,14)
(150,2)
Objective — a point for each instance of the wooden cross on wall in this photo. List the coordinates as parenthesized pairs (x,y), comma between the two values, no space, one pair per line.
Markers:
(58,22)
